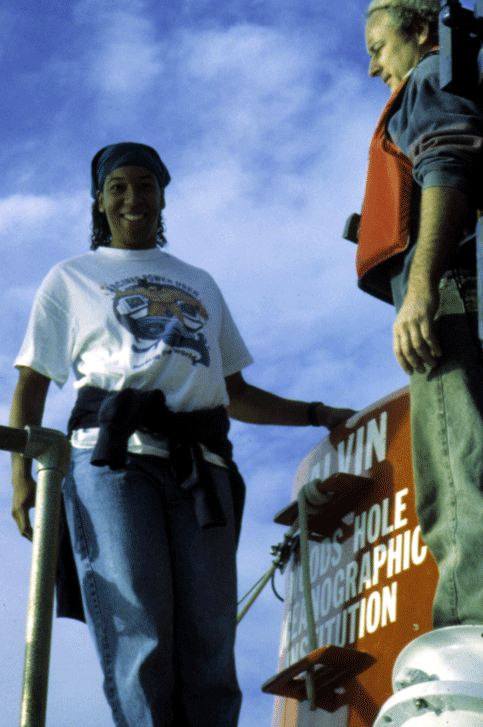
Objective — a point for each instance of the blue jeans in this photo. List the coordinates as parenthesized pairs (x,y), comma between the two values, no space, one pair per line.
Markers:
(159,592)
(447,443)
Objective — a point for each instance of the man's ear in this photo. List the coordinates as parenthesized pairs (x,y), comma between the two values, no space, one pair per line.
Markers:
(423,34)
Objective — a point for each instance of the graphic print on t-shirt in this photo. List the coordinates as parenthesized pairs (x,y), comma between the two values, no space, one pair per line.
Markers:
(154,310)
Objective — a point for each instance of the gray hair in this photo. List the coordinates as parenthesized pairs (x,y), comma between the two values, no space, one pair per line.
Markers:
(405,13)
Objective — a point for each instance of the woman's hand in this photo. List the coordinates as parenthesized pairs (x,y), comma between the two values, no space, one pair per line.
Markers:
(24,488)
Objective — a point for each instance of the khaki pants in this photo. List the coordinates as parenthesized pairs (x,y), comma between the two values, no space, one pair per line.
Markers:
(447,443)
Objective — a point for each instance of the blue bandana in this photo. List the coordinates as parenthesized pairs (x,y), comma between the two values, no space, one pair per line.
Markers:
(126,154)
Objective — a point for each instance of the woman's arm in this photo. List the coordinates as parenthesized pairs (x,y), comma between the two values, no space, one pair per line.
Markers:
(27,408)
(257,406)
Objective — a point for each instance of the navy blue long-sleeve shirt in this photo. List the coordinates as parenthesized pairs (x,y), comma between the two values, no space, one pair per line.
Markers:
(442,135)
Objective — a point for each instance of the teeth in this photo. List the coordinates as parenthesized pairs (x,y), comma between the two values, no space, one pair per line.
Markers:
(133,218)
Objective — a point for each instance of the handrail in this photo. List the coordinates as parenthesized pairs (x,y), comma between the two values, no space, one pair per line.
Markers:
(13,440)
(51,449)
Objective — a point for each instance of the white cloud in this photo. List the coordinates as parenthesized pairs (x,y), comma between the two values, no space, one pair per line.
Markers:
(129,60)
(23,213)
(123,62)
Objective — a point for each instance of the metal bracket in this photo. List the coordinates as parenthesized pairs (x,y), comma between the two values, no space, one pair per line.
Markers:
(347,492)
(332,667)
(49,447)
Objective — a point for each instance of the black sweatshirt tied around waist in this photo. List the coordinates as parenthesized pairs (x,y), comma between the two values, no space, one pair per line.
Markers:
(118,415)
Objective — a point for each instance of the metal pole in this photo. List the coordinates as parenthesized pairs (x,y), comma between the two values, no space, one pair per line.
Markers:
(51,449)
(41,599)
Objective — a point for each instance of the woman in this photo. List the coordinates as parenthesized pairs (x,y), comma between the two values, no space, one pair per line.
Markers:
(153,499)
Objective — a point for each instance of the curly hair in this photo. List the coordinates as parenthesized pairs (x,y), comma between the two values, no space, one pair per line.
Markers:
(101,234)
(406,13)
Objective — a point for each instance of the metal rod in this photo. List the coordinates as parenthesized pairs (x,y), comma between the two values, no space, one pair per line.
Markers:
(275,564)
(41,599)
(257,591)
(51,450)
(13,439)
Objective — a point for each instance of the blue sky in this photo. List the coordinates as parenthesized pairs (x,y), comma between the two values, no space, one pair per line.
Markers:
(263,111)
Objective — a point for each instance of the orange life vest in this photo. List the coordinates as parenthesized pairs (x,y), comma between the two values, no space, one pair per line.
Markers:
(384,227)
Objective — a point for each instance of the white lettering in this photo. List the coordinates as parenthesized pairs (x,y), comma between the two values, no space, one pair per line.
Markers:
(359,451)
(352,610)
(326,597)
(341,628)
(360,531)
(386,528)
(379,558)
(376,439)
(351,571)
(362,618)
(314,562)
(344,456)
(373,612)
(329,628)
(407,550)
(389,600)
(400,506)
(418,557)
(302,618)
(316,600)
(365,572)
(374,523)
(338,592)
(394,555)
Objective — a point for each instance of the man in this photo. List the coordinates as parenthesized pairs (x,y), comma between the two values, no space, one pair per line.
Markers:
(417,250)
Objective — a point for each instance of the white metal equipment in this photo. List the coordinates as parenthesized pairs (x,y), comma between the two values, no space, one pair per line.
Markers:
(437,680)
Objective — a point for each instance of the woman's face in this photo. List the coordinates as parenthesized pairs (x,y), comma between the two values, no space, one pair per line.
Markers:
(132,200)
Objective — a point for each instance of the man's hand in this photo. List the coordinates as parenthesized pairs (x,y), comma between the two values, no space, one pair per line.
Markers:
(414,341)
(23,500)
(442,222)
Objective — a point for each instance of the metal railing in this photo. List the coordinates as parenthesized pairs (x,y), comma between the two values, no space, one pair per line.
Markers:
(51,449)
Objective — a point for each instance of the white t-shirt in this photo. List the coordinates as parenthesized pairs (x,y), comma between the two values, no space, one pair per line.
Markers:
(141,319)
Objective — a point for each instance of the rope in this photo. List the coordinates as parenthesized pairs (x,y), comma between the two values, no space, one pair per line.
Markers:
(309,607)
(252,588)
(282,553)
(310,500)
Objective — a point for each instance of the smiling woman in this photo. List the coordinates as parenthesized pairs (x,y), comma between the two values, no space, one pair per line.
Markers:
(153,499)
(132,201)
(127,178)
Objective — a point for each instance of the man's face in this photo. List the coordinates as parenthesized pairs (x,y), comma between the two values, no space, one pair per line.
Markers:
(392,53)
